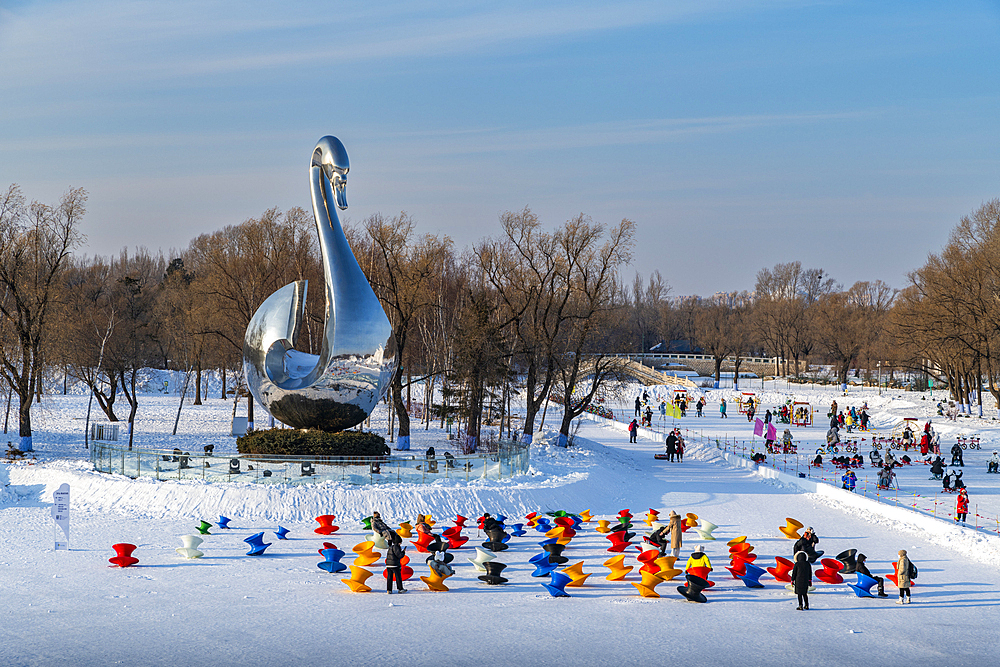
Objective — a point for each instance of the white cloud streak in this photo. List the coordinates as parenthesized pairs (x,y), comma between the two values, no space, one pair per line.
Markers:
(135,41)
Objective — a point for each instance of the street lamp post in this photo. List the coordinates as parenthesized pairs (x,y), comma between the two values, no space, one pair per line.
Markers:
(880,378)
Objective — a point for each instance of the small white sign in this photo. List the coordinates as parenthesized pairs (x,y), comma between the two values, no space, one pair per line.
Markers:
(60,514)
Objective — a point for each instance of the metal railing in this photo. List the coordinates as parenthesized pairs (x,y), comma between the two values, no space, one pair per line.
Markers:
(108,432)
(504,460)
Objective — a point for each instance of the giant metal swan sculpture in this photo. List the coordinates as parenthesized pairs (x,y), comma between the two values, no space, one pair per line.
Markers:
(339,388)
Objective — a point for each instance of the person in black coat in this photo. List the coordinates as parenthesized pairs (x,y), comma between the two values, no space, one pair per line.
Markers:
(802,579)
(671,446)
(956,455)
(807,544)
(493,528)
(661,538)
(394,565)
(937,468)
(863,569)
(379,527)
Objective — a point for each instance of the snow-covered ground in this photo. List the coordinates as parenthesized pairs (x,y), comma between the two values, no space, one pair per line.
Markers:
(228,608)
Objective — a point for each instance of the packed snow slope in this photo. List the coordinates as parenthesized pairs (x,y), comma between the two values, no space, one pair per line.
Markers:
(228,608)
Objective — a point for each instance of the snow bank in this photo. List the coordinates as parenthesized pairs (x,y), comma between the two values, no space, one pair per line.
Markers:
(977,545)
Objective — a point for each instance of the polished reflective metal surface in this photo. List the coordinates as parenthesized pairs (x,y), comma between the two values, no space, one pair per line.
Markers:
(339,388)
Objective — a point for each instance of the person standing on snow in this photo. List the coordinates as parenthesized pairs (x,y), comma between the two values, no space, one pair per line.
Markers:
(633,430)
(638,406)
(394,564)
(903,571)
(722,408)
(962,506)
(802,579)
(671,446)
(676,534)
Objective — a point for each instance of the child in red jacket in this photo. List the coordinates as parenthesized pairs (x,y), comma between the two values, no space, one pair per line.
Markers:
(962,506)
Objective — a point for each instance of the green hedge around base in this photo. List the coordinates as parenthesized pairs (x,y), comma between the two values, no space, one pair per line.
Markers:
(294,442)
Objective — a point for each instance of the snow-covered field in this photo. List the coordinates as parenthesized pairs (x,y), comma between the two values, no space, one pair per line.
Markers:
(228,608)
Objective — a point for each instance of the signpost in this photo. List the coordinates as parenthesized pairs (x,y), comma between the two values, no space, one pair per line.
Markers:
(60,514)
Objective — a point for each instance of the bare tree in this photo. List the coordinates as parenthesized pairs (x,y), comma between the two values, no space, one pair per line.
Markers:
(849,321)
(402,272)
(35,242)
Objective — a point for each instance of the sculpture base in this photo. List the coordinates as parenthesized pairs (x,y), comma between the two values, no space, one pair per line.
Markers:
(297,442)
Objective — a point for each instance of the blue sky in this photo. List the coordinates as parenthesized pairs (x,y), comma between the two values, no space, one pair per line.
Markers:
(851,136)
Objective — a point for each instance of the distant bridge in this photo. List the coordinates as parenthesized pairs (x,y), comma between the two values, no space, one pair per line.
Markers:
(642,373)
(704,364)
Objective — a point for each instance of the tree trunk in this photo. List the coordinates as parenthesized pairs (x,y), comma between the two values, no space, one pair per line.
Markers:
(249,411)
(197,381)
(24,410)
(107,401)
(133,408)
(530,405)
(6,421)
(403,440)
(180,404)
(428,401)
(223,382)
(845,368)
(718,371)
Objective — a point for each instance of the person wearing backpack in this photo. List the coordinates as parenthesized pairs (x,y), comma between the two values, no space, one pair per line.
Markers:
(394,564)
(905,571)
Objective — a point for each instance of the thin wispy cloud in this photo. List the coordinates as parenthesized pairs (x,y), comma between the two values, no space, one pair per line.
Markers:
(774,121)
(76,38)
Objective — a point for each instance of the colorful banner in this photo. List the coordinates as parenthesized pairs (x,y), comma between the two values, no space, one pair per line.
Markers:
(772,433)
(758,427)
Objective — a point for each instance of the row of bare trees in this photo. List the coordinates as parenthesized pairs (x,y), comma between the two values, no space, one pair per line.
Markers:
(530,312)
(947,321)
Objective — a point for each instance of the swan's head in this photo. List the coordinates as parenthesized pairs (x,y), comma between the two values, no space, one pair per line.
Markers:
(331,156)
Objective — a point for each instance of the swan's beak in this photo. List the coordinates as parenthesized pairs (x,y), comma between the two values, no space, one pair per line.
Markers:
(340,190)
